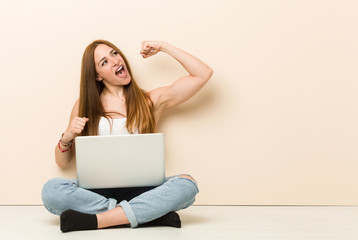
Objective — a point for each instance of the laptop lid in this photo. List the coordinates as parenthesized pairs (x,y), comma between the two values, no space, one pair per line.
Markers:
(115,161)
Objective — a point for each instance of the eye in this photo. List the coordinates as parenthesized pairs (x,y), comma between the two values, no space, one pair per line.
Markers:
(114,53)
(104,62)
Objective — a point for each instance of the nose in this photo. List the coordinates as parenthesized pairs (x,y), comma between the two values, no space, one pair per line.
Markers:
(114,62)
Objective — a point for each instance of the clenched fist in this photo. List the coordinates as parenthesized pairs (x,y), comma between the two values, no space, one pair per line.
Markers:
(75,127)
(150,48)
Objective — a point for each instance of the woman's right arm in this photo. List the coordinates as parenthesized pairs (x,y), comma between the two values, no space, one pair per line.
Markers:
(75,127)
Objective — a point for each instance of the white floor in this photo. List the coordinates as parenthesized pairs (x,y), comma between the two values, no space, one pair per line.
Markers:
(199,222)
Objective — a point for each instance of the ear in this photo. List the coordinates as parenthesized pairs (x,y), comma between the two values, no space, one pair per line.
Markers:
(99,78)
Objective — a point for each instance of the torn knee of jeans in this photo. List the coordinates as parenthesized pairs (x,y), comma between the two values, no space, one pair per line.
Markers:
(188,177)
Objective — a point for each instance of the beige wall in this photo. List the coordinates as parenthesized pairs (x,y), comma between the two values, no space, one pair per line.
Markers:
(277,123)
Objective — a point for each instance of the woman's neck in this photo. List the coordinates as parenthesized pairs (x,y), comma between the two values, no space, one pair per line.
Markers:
(113,92)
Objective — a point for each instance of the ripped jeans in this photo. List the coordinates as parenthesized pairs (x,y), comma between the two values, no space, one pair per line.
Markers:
(140,205)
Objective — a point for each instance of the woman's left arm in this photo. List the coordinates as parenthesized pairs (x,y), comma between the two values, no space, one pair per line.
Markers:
(183,88)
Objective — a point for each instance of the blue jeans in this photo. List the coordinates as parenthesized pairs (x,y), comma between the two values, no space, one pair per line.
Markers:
(140,205)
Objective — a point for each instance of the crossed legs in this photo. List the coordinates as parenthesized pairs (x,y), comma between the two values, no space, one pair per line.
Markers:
(161,202)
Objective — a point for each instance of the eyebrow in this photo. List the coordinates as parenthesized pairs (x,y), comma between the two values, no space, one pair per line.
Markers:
(105,57)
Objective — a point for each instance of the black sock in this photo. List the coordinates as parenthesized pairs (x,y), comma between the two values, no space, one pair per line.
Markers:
(170,219)
(72,220)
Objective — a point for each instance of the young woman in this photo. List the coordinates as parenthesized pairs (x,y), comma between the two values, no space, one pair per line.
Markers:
(112,103)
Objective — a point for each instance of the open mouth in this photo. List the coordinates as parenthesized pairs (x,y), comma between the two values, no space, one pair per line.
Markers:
(121,72)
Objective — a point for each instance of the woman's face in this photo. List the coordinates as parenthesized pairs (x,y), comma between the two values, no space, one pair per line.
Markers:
(110,66)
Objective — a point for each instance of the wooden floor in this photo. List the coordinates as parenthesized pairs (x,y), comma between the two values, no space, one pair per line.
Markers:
(199,222)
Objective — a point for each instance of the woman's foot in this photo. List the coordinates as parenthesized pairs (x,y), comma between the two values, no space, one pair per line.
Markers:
(71,220)
(170,219)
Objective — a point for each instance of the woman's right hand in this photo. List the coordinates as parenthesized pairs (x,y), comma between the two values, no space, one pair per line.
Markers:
(75,127)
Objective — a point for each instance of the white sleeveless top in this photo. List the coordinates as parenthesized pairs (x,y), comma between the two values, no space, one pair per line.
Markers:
(118,127)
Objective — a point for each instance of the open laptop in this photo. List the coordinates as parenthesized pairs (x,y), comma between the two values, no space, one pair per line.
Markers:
(116,161)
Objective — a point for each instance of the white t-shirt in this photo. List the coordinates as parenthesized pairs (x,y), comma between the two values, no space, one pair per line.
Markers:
(118,127)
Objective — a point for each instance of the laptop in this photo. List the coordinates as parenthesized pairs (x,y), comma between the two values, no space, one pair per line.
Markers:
(118,161)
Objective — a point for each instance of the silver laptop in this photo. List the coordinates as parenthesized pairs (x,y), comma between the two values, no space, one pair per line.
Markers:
(116,161)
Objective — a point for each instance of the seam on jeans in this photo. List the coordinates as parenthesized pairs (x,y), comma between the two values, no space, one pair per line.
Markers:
(179,176)
(185,179)
(173,178)
(187,175)
(112,203)
(129,213)
(195,184)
